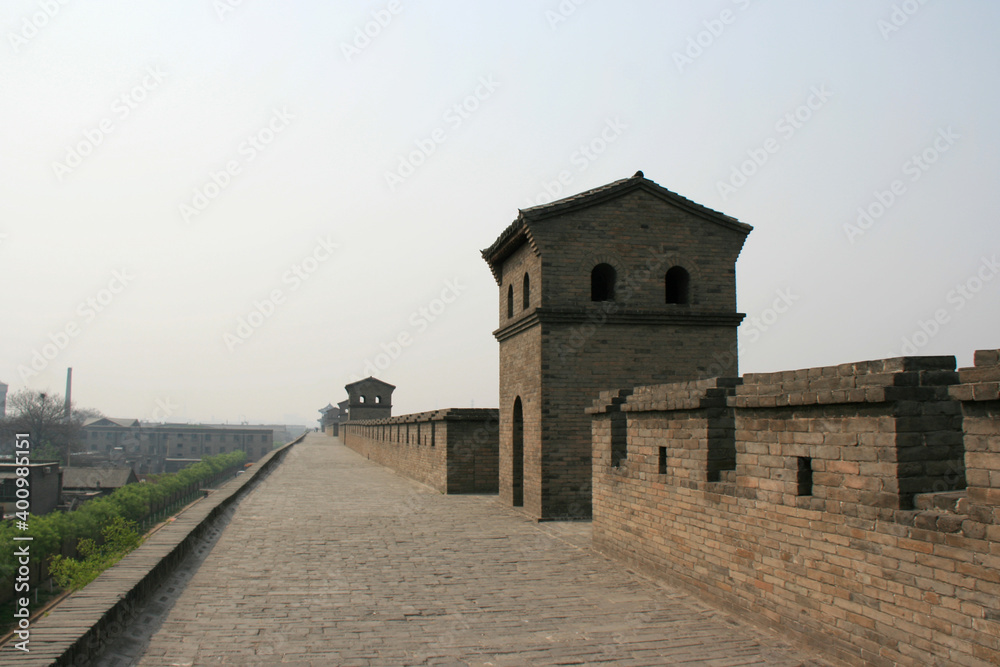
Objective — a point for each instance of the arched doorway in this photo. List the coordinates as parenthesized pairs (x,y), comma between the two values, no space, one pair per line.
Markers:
(517,454)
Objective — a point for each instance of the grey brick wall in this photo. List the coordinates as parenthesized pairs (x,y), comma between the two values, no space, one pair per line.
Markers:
(873,550)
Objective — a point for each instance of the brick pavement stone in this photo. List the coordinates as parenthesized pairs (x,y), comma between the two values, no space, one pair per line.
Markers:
(333,560)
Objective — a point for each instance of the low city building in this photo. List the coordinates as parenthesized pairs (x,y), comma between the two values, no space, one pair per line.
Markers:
(44,482)
(146,447)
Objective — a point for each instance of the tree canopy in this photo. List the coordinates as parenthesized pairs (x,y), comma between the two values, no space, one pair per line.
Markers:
(43,416)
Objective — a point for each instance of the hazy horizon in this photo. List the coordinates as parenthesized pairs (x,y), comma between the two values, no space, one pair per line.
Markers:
(235,207)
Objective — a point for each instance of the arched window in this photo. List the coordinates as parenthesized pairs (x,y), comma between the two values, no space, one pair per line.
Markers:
(510,301)
(602,283)
(677,285)
(364,399)
(378,399)
(526,289)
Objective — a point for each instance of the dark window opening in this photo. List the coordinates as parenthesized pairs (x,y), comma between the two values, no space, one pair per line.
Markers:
(526,295)
(602,283)
(804,478)
(677,285)
(510,301)
(662,464)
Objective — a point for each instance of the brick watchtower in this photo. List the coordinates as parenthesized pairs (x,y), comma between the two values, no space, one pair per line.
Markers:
(369,399)
(623,285)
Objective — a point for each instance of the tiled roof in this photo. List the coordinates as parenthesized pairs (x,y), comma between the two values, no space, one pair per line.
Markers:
(124,423)
(518,232)
(620,187)
(96,478)
(371,379)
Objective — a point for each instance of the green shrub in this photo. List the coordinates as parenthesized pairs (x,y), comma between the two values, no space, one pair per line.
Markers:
(130,504)
(120,537)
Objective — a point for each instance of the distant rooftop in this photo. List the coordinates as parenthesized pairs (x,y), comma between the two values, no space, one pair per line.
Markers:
(97,478)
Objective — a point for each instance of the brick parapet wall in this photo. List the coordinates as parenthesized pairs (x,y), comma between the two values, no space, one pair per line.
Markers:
(455,450)
(896,379)
(848,568)
(711,392)
(874,434)
(979,392)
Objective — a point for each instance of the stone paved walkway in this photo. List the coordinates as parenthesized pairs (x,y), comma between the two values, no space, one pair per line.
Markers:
(333,560)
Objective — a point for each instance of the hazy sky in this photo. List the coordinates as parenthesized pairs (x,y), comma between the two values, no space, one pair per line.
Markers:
(232,207)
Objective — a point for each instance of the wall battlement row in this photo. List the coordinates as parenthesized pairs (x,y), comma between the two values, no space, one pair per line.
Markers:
(829,501)
(455,450)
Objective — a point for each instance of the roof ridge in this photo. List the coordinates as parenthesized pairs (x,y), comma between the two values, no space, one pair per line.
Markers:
(637,180)
(518,232)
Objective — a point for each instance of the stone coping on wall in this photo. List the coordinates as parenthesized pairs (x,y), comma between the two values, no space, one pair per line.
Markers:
(445,414)
(980,382)
(710,393)
(877,381)
(691,395)
(78,628)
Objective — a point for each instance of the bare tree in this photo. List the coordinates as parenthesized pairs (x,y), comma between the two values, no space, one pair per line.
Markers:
(43,417)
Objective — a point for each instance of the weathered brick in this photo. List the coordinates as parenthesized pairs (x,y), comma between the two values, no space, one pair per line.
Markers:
(867,464)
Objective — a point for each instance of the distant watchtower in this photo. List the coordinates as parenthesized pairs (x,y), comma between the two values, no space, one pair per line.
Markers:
(330,420)
(369,399)
(344,408)
(623,285)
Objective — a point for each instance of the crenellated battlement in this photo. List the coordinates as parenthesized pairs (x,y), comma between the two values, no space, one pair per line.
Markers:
(830,501)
